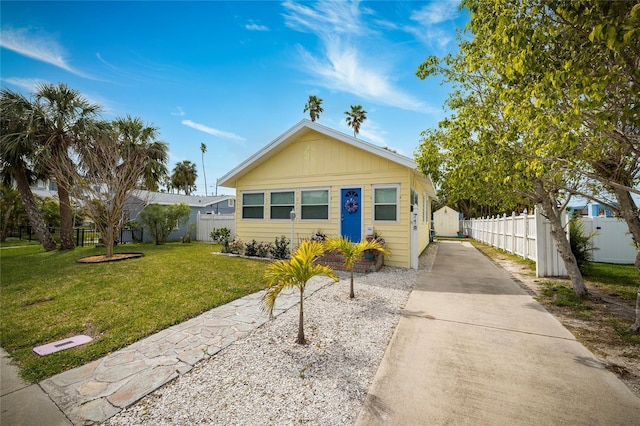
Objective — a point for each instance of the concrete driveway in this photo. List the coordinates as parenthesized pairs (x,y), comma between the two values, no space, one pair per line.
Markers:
(474,349)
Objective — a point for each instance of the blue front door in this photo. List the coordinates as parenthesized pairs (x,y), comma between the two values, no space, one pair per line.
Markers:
(351,212)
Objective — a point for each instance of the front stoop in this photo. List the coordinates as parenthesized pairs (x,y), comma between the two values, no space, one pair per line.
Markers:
(335,261)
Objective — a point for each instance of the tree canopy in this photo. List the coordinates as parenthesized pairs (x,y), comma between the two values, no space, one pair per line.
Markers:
(60,134)
(184,177)
(545,105)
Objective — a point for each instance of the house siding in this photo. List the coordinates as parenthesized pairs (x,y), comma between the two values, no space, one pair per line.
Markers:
(318,161)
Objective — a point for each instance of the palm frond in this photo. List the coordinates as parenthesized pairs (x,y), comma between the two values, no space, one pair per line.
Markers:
(294,273)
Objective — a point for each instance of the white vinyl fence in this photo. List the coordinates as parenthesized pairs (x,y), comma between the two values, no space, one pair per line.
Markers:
(611,240)
(525,235)
(209,222)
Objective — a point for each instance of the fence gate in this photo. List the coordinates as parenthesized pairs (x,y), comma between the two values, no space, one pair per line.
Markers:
(209,222)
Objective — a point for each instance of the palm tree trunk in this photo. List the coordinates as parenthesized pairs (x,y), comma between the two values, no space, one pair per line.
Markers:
(66,219)
(629,212)
(204,173)
(35,218)
(351,293)
(301,340)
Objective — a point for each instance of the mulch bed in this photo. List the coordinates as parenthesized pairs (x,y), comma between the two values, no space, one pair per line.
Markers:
(101,258)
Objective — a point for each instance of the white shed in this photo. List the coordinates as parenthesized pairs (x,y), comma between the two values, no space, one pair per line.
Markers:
(446,222)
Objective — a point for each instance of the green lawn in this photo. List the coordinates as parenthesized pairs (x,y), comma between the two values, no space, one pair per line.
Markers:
(45,297)
(16,242)
(619,280)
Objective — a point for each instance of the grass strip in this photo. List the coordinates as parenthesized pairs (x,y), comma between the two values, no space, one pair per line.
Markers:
(48,296)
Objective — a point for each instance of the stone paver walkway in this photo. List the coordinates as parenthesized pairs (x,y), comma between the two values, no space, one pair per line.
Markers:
(98,390)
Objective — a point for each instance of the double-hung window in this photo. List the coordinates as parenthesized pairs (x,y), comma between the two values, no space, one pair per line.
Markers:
(314,204)
(253,205)
(385,203)
(281,203)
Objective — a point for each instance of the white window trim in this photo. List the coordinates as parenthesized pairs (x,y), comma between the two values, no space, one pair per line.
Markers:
(281,190)
(328,189)
(373,202)
(264,204)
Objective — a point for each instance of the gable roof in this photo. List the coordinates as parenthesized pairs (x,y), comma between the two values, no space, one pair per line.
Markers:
(294,133)
(165,199)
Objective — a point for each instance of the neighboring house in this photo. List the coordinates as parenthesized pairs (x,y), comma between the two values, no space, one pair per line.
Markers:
(334,183)
(212,205)
(45,189)
(590,210)
(446,222)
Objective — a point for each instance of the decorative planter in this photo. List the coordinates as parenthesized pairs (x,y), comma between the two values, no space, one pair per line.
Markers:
(335,261)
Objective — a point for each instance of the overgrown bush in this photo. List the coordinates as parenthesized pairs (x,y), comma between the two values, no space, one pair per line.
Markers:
(186,238)
(161,220)
(265,249)
(581,244)
(222,236)
(281,248)
(236,247)
(251,248)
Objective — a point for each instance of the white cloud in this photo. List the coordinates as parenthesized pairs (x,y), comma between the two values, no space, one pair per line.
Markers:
(372,133)
(179,112)
(29,84)
(437,12)
(429,17)
(326,17)
(256,27)
(41,47)
(212,131)
(342,70)
(341,66)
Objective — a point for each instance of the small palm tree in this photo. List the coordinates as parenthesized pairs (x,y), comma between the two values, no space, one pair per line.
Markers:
(355,118)
(352,252)
(314,106)
(295,273)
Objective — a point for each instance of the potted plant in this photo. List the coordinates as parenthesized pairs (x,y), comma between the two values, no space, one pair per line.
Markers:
(371,254)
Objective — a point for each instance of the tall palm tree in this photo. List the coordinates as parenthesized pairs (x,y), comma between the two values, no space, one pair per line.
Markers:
(155,170)
(352,252)
(355,117)
(295,273)
(314,106)
(63,120)
(184,176)
(203,148)
(17,150)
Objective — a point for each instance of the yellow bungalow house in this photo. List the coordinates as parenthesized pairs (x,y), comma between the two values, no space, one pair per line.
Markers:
(334,183)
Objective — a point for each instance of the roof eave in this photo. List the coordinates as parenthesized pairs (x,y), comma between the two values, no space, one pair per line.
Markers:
(229,180)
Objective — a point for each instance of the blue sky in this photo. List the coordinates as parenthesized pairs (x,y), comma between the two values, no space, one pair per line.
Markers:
(235,75)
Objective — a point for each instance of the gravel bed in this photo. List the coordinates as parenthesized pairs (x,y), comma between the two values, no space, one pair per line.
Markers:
(268,379)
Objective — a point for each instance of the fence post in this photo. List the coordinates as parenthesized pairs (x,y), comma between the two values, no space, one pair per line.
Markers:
(541,243)
(525,231)
(504,231)
(513,232)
